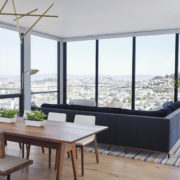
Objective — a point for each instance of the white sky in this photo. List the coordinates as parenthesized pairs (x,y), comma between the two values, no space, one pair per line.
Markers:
(155,55)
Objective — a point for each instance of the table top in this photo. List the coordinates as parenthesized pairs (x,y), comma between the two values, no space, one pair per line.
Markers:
(52,131)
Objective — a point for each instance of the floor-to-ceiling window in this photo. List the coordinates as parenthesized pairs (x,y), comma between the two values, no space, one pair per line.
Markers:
(81,70)
(178,70)
(155,62)
(115,72)
(154,65)
(44,83)
(9,69)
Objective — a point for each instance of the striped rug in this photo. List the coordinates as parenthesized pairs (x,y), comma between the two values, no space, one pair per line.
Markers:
(153,157)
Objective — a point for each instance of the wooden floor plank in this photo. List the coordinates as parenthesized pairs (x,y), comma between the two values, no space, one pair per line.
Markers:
(110,168)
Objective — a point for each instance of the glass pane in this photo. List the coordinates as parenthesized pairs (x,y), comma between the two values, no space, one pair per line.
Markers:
(179,74)
(39,99)
(81,70)
(10,103)
(115,72)
(44,58)
(9,62)
(154,71)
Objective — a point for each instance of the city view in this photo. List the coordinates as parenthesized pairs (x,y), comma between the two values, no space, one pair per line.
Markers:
(151,91)
(44,83)
(9,87)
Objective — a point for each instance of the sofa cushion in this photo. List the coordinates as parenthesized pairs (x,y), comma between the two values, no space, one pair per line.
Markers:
(174,106)
(160,113)
(83,108)
(95,109)
(165,111)
(56,106)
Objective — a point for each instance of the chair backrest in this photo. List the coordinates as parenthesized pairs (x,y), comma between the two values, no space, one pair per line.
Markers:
(10,164)
(83,102)
(84,119)
(59,117)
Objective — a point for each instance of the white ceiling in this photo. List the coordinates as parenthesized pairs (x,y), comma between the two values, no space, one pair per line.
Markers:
(98,17)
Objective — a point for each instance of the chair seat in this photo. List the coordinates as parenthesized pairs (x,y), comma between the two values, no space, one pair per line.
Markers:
(85,141)
(12,162)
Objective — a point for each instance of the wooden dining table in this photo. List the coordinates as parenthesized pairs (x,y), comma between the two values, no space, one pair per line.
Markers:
(57,135)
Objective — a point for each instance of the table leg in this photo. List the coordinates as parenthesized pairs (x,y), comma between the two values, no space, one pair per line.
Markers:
(22,150)
(49,158)
(61,152)
(56,159)
(74,162)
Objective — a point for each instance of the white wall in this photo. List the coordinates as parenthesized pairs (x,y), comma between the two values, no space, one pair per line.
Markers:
(61,73)
(27,78)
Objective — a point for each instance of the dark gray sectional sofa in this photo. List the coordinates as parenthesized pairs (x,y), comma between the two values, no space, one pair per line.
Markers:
(149,130)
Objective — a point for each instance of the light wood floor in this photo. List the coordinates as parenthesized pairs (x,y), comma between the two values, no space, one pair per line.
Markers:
(110,168)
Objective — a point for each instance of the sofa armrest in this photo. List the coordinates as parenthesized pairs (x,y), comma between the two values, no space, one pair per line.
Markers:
(143,132)
(174,127)
(173,114)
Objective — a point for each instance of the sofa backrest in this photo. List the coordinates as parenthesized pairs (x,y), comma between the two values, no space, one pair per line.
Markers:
(163,112)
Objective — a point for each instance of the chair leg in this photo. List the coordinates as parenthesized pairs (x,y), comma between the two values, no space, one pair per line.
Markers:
(74,164)
(109,147)
(126,150)
(5,142)
(76,152)
(82,160)
(56,160)
(43,150)
(9,177)
(68,153)
(96,149)
(20,146)
(49,158)
(28,147)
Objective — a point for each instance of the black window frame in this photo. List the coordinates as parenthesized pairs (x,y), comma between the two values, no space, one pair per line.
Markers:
(58,77)
(17,95)
(176,84)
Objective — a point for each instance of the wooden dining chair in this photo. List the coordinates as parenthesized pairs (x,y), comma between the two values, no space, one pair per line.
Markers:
(10,164)
(58,117)
(27,146)
(52,116)
(24,117)
(86,120)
